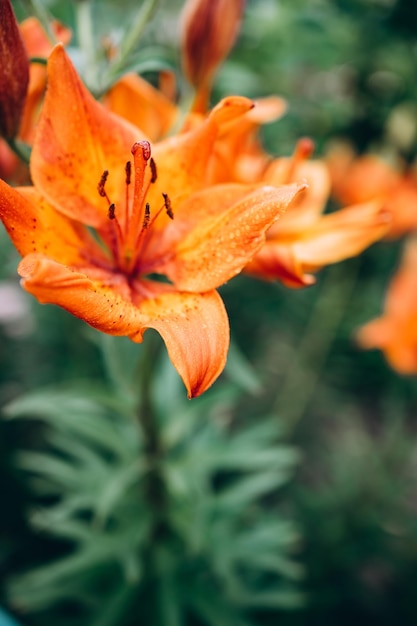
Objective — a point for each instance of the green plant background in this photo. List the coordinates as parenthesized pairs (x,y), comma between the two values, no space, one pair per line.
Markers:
(287,494)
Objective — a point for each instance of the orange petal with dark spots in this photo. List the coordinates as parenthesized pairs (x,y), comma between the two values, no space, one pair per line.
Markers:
(183,160)
(77,139)
(220,246)
(194,327)
(33,224)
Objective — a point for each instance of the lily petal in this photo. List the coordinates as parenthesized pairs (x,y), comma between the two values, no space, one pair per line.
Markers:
(221,246)
(194,327)
(395,332)
(341,235)
(397,339)
(307,206)
(32,224)
(279,262)
(75,142)
(184,159)
(97,303)
(137,101)
(334,237)
(198,207)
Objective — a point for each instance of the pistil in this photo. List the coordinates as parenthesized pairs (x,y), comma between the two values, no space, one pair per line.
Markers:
(141,151)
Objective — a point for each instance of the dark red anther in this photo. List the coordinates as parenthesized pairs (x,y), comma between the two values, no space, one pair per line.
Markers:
(101,184)
(128,170)
(112,211)
(154,171)
(168,206)
(147,216)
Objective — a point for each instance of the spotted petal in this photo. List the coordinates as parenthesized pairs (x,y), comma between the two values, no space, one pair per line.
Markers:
(220,247)
(77,139)
(183,160)
(33,224)
(194,327)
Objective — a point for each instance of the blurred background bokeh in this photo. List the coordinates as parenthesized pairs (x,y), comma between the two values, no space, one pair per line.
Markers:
(343,508)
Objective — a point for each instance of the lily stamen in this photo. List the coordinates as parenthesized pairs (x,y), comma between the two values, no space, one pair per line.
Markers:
(115,232)
(101,186)
(154,170)
(147,217)
(168,206)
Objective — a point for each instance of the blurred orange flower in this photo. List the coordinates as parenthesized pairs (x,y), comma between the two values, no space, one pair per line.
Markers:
(395,332)
(305,240)
(358,179)
(163,240)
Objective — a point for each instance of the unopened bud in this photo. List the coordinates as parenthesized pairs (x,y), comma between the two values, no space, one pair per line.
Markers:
(209,30)
(14,72)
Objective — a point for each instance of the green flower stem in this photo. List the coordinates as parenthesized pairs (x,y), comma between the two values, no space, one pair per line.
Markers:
(85,32)
(130,41)
(304,369)
(155,489)
(21,149)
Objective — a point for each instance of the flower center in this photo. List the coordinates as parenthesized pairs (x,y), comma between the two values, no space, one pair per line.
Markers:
(130,222)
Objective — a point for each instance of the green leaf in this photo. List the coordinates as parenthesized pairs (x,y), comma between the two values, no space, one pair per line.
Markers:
(241,372)
(251,488)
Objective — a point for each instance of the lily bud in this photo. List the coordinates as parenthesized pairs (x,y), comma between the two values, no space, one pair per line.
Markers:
(14,72)
(209,29)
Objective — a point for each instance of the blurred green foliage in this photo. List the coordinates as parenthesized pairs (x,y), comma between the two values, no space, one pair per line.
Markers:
(285,497)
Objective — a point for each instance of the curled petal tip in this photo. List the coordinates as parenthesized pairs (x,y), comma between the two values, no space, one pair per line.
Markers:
(57,51)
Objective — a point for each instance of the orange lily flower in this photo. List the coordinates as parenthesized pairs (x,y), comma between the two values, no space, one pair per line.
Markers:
(395,332)
(152,214)
(364,178)
(305,240)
